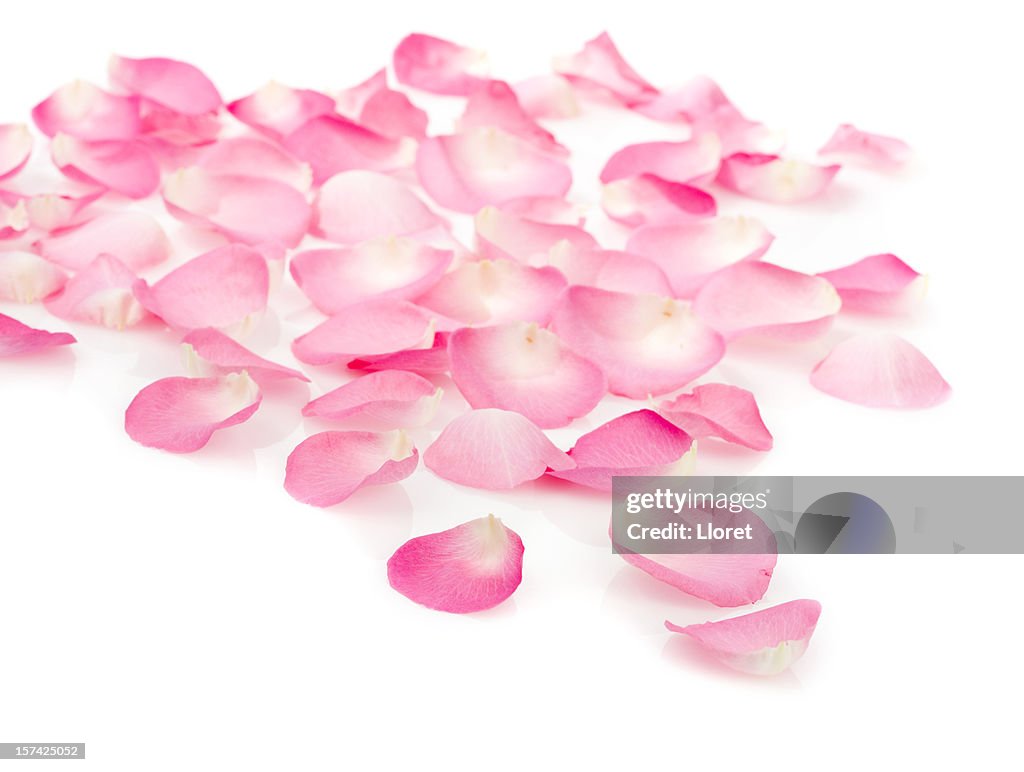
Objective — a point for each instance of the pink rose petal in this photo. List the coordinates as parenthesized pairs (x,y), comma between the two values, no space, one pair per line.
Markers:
(520,367)
(371,328)
(278,110)
(384,267)
(722,579)
(220,288)
(467,171)
(423,361)
(755,297)
(13,220)
(252,157)
(15,148)
(851,145)
(719,410)
(546,209)
(493,449)
(650,200)
(437,65)
(494,104)
(609,269)
(774,179)
(764,642)
(89,113)
(471,567)
(17,338)
(396,398)
(173,85)
(53,211)
(101,293)
(327,468)
(501,236)
(639,443)
(691,253)
(134,238)
(180,415)
(127,168)
(383,110)
(600,66)
(645,344)
(332,144)
(26,277)
(880,371)
(226,355)
(169,133)
(547,96)
(878,284)
(694,161)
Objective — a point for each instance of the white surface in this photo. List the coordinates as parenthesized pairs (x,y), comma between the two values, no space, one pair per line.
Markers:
(185,613)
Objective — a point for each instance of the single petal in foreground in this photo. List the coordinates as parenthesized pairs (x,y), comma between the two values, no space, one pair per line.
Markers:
(101,293)
(878,284)
(719,410)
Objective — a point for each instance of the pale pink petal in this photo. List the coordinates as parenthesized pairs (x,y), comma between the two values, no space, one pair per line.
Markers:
(249,210)
(438,66)
(609,269)
(432,360)
(101,293)
(467,171)
(774,179)
(89,113)
(278,110)
(722,579)
(14,220)
(226,355)
(134,238)
(221,288)
(487,292)
(600,65)
(764,642)
(174,85)
(252,157)
(880,371)
(521,367)
(379,108)
(471,567)
(127,168)
(25,277)
(384,267)
(879,283)
(17,338)
(493,449)
(851,145)
(756,297)
(719,410)
(503,236)
(371,328)
(332,144)
(350,101)
(53,211)
(327,468)
(691,253)
(694,161)
(547,96)
(639,443)
(546,209)
(396,398)
(645,344)
(494,104)
(358,205)
(15,148)
(181,414)
(650,200)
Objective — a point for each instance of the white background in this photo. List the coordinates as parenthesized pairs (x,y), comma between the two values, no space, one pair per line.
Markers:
(184,613)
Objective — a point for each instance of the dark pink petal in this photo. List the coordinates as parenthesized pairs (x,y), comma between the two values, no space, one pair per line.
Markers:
(501,236)
(523,368)
(279,110)
(467,171)
(722,579)
(650,200)
(89,113)
(134,238)
(181,414)
(26,277)
(358,205)
(756,297)
(638,443)
(487,292)
(220,288)
(880,371)
(127,168)
(645,344)
(493,449)
(396,398)
(609,269)
(101,293)
(775,179)
(494,104)
(425,361)
(171,84)
(332,144)
(691,253)
(438,66)
(371,328)
(18,338)
(600,66)
(13,220)
(252,157)
(15,148)
(168,131)
(719,410)
(249,210)
(764,642)
(547,96)
(373,105)
(227,355)
(850,144)
(471,567)
(694,161)
(546,209)
(879,283)
(384,267)
(327,468)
